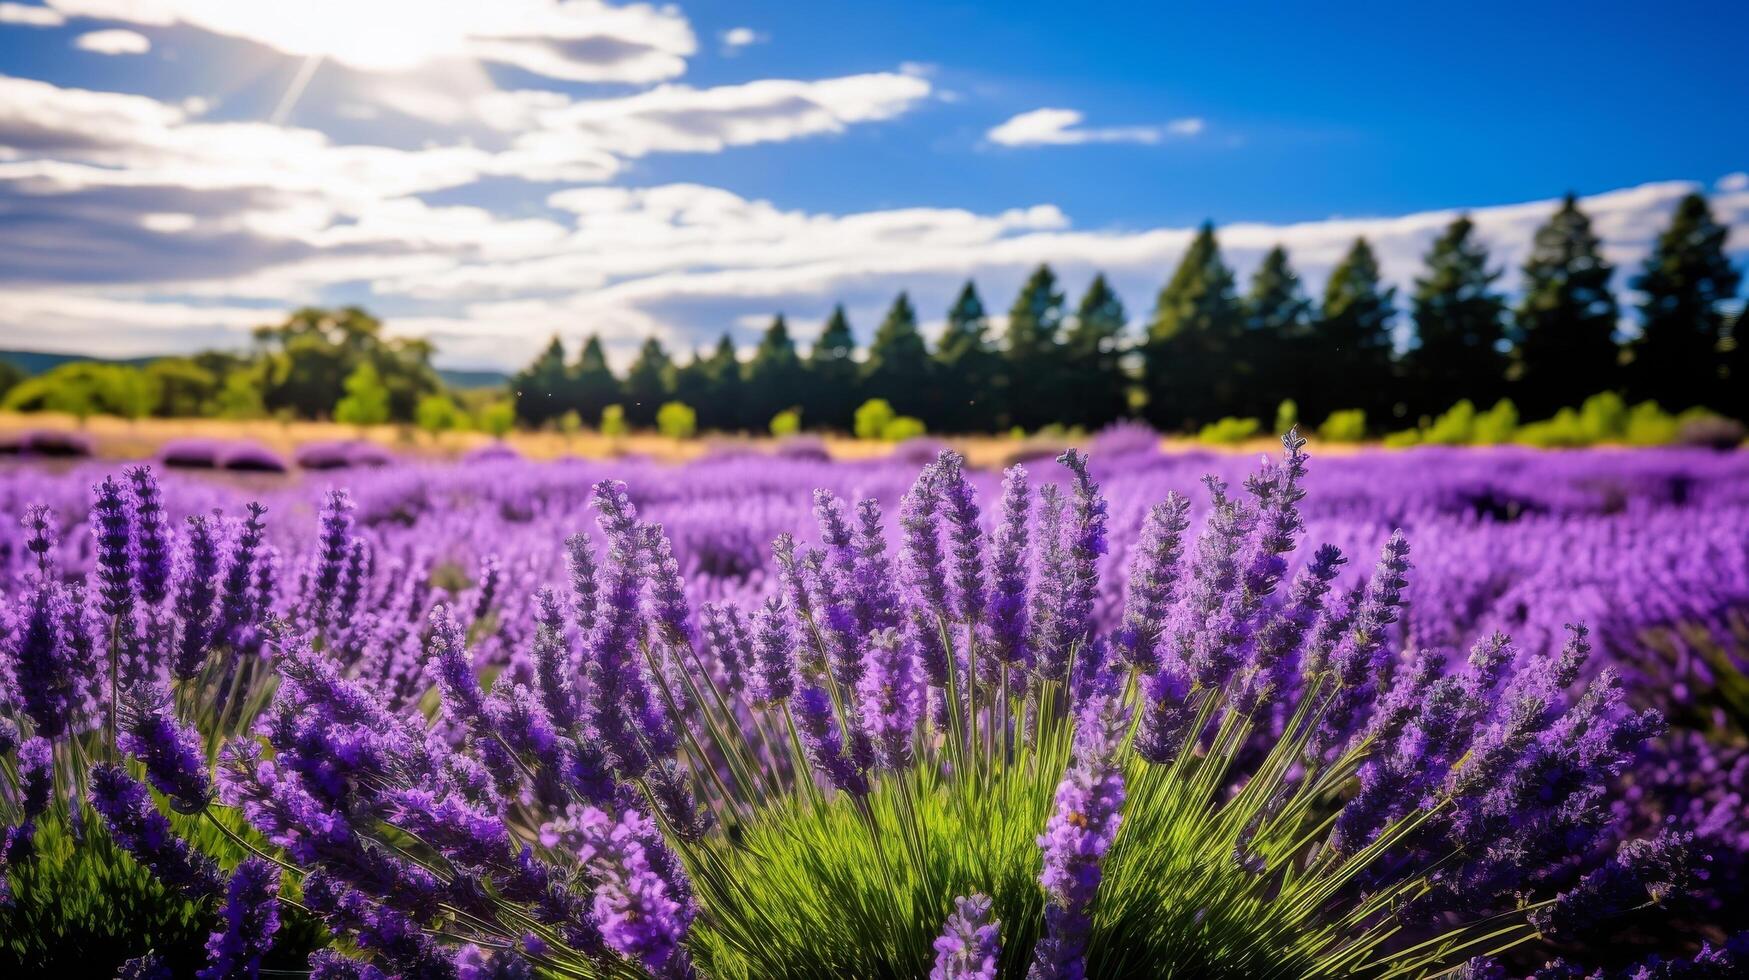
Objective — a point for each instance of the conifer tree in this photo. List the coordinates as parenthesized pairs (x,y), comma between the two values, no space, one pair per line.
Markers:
(898,367)
(774,376)
(594,386)
(966,367)
(1096,389)
(1277,336)
(1678,360)
(646,386)
(1564,330)
(727,391)
(1032,357)
(1460,325)
(542,390)
(1193,341)
(690,384)
(1353,345)
(833,391)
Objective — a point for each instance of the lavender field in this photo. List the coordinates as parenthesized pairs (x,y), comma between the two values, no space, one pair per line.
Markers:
(760,715)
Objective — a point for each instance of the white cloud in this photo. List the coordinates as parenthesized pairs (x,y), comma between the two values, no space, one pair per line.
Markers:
(735,39)
(28,16)
(1733,182)
(575,40)
(113,42)
(1062,127)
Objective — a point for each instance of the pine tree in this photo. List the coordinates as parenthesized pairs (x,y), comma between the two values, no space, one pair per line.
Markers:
(1032,389)
(543,389)
(1353,345)
(898,367)
(1277,337)
(593,383)
(690,384)
(966,367)
(1193,341)
(726,399)
(833,392)
(1096,386)
(1679,356)
(646,386)
(774,376)
(1565,348)
(1460,324)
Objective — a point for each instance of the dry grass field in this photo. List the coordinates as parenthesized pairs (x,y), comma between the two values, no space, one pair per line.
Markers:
(116,438)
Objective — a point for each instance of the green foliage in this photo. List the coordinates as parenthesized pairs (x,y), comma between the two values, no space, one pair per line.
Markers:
(1402,439)
(1277,338)
(898,368)
(1032,366)
(593,384)
(1287,415)
(436,414)
(240,398)
(569,424)
(1496,425)
(1344,425)
(1457,427)
(873,417)
(1566,319)
(1229,431)
(497,419)
(10,376)
(904,427)
(1604,416)
(307,359)
(967,367)
(543,389)
(786,423)
(1193,341)
(1353,357)
(613,421)
(647,383)
(774,375)
(185,388)
(86,388)
(677,420)
(1679,358)
(366,402)
(81,908)
(1459,323)
(833,375)
(1096,389)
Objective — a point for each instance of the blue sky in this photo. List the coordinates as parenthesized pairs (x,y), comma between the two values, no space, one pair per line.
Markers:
(489,174)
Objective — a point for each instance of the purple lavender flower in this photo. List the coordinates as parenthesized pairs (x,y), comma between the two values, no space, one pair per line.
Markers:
(327,964)
(1005,620)
(1641,872)
(1153,578)
(726,639)
(1089,804)
(824,741)
(39,539)
(169,748)
(553,663)
(45,662)
(447,651)
(890,697)
(489,580)
(151,966)
(773,653)
(970,943)
(112,526)
(36,775)
(580,560)
(236,601)
(251,917)
(872,593)
(640,915)
(137,826)
(152,535)
(959,502)
(670,612)
(922,569)
(622,712)
(196,593)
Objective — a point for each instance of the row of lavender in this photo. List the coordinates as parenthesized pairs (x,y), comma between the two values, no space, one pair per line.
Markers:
(1647,547)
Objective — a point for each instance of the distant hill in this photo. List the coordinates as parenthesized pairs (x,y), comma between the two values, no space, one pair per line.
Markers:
(38,361)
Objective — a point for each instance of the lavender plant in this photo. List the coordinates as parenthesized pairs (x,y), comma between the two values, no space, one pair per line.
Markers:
(975,756)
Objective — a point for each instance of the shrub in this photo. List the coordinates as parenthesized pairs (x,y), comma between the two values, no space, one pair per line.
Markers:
(903,428)
(569,424)
(436,414)
(1287,415)
(1497,425)
(1402,439)
(366,402)
(1604,418)
(873,417)
(497,419)
(1457,427)
(1229,431)
(613,421)
(1347,425)
(786,423)
(677,420)
(1564,430)
(1699,427)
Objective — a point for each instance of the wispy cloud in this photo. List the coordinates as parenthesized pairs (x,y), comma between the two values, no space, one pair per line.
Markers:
(736,39)
(115,41)
(28,16)
(1062,127)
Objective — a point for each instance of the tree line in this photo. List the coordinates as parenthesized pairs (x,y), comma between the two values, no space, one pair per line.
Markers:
(1209,351)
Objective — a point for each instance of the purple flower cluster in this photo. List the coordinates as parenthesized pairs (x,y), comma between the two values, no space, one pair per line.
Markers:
(970,942)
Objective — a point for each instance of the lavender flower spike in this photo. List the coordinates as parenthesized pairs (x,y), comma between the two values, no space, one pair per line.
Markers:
(169,748)
(152,535)
(824,741)
(1005,619)
(960,503)
(640,914)
(251,917)
(1089,800)
(1152,581)
(136,825)
(970,942)
(112,524)
(890,696)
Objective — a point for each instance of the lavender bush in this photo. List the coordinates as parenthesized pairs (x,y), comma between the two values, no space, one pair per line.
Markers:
(1002,731)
